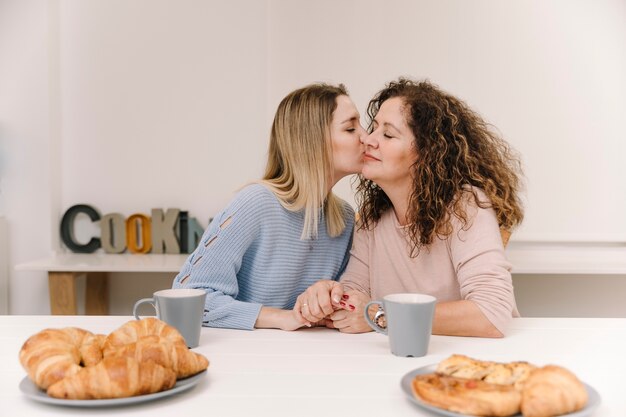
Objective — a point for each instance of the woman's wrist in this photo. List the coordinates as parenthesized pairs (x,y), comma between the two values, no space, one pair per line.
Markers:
(276,318)
(269,318)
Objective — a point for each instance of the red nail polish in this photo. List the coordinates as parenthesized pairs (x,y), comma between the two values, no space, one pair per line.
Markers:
(352,307)
(342,303)
(345,296)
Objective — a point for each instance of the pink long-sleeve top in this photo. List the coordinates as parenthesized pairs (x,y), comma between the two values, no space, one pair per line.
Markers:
(469,264)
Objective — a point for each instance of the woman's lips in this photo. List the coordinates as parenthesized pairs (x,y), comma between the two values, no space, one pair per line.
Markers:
(369,157)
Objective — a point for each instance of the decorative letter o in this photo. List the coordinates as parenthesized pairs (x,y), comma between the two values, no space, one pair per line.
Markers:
(135,224)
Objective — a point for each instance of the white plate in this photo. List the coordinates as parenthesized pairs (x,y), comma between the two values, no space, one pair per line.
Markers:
(34,393)
(592,403)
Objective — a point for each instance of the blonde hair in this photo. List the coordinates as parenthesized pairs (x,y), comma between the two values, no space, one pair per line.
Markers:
(300,163)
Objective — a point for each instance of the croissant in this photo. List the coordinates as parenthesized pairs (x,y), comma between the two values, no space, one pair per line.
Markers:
(114,377)
(171,355)
(133,330)
(552,391)
(53,354)
(91,349)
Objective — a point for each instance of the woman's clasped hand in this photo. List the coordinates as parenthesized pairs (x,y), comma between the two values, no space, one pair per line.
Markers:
(327,303)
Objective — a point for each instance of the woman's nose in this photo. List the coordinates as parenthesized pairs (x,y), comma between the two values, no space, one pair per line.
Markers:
(370,140)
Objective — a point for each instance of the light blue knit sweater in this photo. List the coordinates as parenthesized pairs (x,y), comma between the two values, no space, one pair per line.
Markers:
(257,259)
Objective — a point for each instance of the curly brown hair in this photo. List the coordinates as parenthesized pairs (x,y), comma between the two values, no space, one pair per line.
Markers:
(456,149)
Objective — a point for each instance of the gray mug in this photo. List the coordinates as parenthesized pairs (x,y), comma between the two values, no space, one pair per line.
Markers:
(409,322)
(181,308)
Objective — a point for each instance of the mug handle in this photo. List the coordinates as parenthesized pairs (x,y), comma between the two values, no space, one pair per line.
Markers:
(369,321)
(138,303)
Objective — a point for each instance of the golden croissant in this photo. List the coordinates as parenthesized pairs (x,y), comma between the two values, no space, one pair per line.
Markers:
(171,355)
(53,354)
(91,349)
(114,377)
(134,330)
(552,391)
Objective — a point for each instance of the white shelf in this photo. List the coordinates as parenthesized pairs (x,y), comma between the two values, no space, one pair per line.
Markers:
(526,257)
(567,258)
(80,262)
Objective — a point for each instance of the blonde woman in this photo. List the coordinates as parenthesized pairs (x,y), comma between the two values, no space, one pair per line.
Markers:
(439,192)
(283,233)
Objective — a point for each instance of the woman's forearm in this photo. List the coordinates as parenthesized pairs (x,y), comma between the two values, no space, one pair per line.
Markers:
(269,318)
(275,318)
(462,318)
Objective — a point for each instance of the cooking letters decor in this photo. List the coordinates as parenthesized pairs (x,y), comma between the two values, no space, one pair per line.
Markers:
(170,232)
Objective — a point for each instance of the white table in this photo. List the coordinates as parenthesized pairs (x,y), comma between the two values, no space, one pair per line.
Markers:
(320,372)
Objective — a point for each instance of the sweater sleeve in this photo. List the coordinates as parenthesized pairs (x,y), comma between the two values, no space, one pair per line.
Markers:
(356,276)
(483,272)
(214,264)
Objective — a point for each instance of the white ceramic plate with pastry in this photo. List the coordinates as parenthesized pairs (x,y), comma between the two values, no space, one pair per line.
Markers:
(34,393)
(406,384)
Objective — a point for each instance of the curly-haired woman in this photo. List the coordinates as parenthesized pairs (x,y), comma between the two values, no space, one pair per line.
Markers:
(438,196)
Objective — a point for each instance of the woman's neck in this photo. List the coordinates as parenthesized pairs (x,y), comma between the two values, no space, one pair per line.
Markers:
(399,197)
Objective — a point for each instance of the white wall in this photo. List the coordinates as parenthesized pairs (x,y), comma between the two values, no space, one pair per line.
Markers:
(4,267)
(133,105)
(550,75)
(163,103)
(26,172)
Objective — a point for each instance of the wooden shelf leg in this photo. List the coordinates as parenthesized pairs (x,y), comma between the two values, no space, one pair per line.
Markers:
(97,294)
(62,289)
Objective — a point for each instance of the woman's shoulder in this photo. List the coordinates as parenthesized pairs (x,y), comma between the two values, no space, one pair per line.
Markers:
(476,209)
(256,191)
(254,198)
(475,196)
(386,222)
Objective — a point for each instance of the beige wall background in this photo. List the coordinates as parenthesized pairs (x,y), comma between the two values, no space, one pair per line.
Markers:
(129,106)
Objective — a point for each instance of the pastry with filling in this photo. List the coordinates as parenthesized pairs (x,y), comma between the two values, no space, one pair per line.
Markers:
(467,396)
